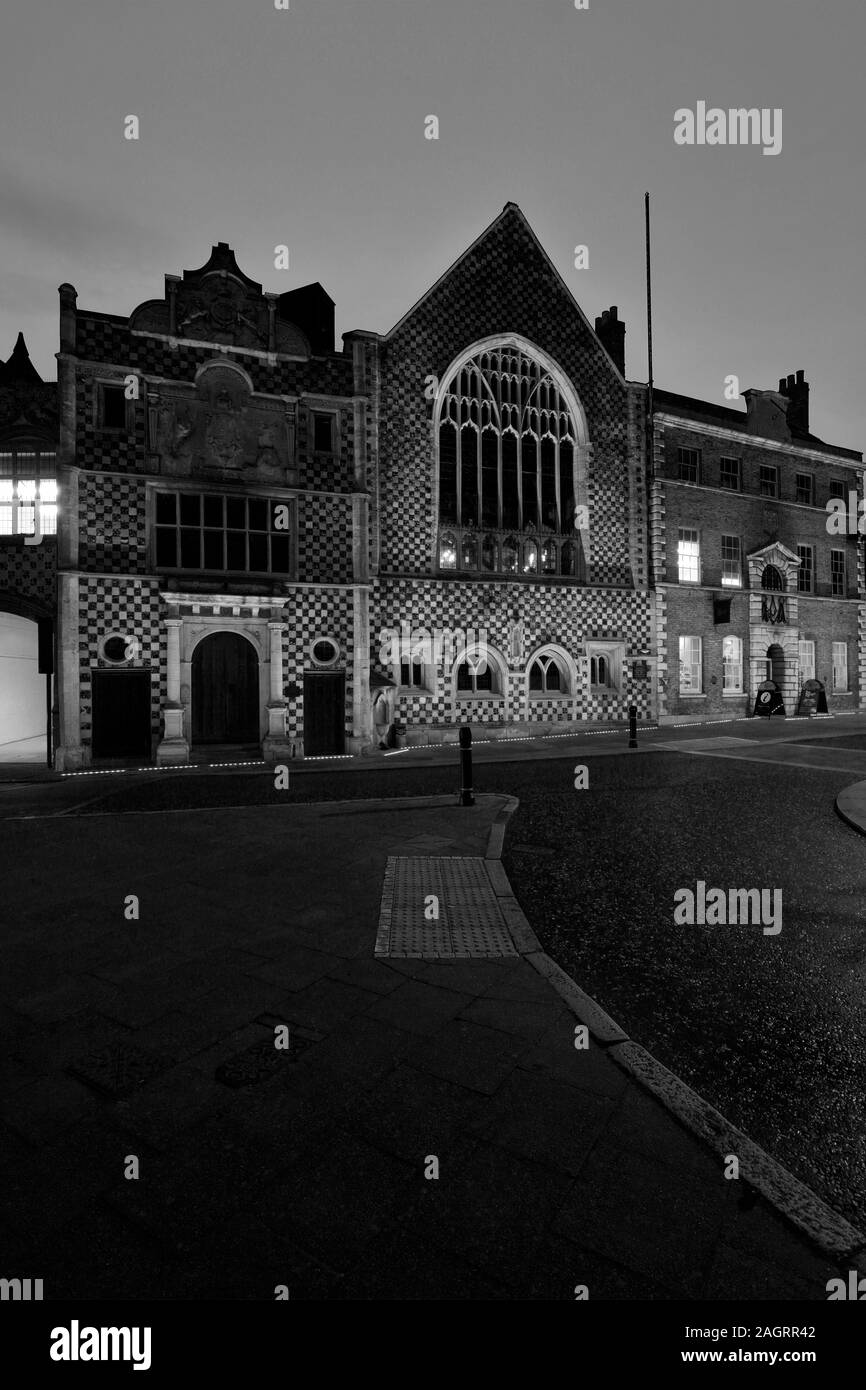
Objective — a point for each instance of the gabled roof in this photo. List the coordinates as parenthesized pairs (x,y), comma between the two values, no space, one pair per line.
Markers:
(514,212)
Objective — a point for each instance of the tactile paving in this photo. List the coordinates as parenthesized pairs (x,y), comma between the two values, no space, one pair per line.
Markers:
(470,922)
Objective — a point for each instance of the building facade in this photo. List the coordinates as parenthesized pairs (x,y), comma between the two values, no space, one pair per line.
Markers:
(266,542)
(750,584)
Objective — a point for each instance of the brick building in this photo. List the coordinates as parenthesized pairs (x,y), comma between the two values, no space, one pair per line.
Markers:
(266,541)
(213,535)
(750,585)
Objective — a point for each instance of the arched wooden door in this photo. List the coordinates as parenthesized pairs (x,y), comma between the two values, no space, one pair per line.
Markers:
(225,690)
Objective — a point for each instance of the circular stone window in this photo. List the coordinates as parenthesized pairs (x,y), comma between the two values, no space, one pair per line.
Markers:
(324,651)
(114,649)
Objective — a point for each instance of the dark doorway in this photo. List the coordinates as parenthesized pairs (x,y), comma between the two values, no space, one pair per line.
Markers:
(324,713)
(121,714)
(225,690)
(776,665)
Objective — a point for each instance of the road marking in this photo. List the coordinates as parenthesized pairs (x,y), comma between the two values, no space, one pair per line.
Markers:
(842,763)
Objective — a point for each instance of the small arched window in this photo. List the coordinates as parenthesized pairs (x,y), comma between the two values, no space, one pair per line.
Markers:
(772,579)
(546,677)
(476,675)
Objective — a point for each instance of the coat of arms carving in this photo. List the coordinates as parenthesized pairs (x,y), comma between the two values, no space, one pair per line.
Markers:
(223,434)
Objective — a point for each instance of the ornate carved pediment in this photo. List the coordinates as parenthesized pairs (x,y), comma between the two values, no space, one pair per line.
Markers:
(219,429)
(218,303)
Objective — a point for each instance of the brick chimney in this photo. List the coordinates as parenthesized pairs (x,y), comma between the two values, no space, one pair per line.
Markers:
(611,333)
(796,388)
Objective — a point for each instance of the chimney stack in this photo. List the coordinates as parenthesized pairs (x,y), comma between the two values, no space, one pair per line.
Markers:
(796,389)
(611,333)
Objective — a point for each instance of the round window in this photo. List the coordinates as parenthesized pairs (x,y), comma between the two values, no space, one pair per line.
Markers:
(114,648)
(324,651)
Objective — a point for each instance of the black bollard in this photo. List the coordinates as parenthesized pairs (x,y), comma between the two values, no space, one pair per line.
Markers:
(466,797)
(632,726)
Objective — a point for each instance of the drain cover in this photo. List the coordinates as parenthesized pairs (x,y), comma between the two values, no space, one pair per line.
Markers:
(263,1059)
(115,1071)
(470,922)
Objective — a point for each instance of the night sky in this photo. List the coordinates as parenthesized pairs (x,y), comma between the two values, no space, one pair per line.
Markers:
(261,127)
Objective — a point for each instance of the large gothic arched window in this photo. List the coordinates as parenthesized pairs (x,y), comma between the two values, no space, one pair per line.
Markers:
(507,441)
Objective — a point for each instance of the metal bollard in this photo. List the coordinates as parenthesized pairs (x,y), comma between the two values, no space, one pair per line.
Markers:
(466,797)
(632,726)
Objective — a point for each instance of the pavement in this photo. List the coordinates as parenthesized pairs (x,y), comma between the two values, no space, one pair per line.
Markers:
(432,1132)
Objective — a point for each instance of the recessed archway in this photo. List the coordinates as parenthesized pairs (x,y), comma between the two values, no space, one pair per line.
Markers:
(22,691)
(225,690)
(776,665)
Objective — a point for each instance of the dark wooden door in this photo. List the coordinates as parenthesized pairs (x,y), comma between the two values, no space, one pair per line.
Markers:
(324,713)
(225,690)
(121,714)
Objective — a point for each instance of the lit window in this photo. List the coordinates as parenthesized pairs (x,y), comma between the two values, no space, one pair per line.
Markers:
(805,660)
(688,557)
(27,485)
(691,678)
(509,555)
(732,573)
(506,463)
(840,666)
(447,551)
(732,664)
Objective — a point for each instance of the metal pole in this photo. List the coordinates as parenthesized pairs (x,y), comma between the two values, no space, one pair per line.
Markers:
(466,797)
(48,721)
(632,726)
(650,431)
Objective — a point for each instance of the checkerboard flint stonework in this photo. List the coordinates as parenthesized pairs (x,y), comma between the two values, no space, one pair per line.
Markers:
(364,510)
